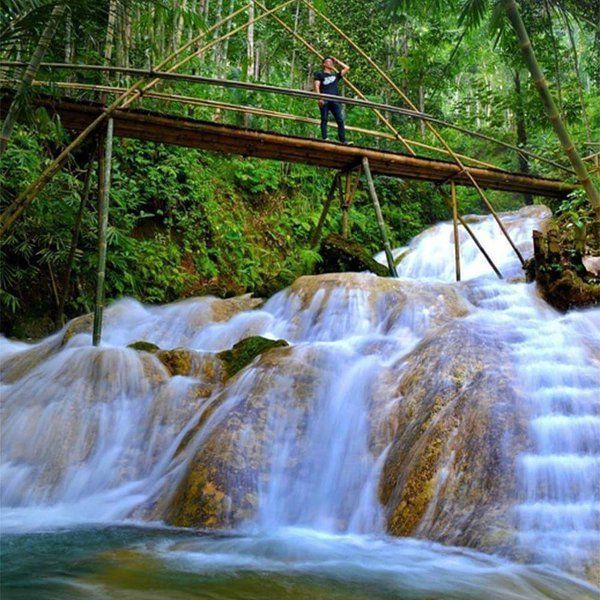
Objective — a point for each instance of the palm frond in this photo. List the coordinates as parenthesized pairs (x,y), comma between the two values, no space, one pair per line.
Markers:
(473,13)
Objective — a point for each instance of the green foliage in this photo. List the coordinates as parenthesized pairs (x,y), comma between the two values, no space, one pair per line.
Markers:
(184,222)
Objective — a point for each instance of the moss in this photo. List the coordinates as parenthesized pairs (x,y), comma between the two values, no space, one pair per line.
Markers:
(143,346)
(245,351)
(341,255)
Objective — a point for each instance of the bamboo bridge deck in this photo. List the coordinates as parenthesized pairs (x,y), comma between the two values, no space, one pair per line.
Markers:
(227,139)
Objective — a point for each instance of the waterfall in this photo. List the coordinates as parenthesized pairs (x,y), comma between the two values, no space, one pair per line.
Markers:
(105,434)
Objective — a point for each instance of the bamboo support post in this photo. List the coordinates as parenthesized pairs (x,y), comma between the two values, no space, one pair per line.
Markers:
(386,242)
(345,204)
(104,168)
(455,227)
(316,235)
(433,130)
(473,237)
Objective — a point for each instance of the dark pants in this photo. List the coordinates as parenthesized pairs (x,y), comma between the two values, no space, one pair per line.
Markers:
(336,109)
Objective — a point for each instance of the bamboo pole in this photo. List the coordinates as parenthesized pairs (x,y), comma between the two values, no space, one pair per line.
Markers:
(435,132)
(386,242)
(512,11)
(345,205)
(456,236)
(318,54)
(473,237)
(104,167)
(252,110)
(29,75)
(300,94)
(314,240)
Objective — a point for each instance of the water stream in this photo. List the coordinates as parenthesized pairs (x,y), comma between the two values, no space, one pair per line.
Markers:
(92,437)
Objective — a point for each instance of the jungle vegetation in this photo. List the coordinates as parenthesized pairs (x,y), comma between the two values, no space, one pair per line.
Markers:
(185,222)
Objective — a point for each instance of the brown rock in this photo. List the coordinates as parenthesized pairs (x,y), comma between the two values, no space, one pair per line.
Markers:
(221,485)
(448,476)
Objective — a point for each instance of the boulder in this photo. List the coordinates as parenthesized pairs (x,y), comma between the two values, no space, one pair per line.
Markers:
(457,429)
(341,255)
(245,351)
(221,485)
(142,346)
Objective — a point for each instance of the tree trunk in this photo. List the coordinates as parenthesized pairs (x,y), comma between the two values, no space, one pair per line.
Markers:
(110,31)
(560,129)
(422,109)
(30,73)
(556,59)
(584,114)
(218,47)
(521,131)
(250,42)
(228,29)
(178,25)
(293,63)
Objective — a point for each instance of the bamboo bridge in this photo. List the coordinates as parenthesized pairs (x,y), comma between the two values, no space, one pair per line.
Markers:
(154,126)
(106,119)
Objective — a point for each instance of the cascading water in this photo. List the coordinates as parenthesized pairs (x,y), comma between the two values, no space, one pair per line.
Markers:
(95,435)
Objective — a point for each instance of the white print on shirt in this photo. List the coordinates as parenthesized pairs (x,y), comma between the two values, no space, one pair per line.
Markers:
(329,80)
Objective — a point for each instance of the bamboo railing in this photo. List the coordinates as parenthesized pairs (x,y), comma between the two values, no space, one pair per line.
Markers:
(240,108)
(258,87)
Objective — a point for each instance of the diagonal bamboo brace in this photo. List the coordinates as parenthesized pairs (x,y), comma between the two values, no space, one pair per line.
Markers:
(386,242)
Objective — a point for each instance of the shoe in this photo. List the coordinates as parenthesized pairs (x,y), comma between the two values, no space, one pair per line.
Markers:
(348,143)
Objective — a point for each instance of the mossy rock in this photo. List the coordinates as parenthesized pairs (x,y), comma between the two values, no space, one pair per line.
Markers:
(178,361)
(143,346)
(245,351)
(341,255)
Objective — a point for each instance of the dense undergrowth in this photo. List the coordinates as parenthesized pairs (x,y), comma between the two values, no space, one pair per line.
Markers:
(182,223)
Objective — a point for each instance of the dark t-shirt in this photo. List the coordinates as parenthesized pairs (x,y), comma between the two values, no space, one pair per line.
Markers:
(329,82)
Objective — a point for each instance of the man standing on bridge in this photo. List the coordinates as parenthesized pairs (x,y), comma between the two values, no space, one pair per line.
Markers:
(326,82)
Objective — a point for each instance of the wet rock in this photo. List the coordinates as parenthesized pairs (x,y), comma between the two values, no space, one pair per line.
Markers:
(458,426)
(143,346)
(388,300)
(178,361)
(224,309)
(558,267)
(17,365)
(82,324)
(245,351)
(342,255)
(192,363)
(221,486)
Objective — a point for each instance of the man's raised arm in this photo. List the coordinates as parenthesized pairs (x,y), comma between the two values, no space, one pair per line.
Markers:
(344,66)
